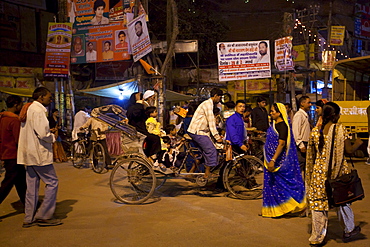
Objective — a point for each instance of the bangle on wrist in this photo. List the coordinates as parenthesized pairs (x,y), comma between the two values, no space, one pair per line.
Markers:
(273,160)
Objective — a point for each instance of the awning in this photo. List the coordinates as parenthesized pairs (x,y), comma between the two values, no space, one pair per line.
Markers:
(174,96)
(22,92)
(124,89)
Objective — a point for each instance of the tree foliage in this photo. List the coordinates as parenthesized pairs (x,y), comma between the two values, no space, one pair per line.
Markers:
(197,20)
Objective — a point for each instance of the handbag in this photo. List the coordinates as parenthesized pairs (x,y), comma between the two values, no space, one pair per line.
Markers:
(343,189)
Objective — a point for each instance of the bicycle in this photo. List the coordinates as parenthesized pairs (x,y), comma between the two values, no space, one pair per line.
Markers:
(87,149)
(134,179)
(256,142)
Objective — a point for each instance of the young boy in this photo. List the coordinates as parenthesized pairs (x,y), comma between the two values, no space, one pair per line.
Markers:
(152,125)
(172,134)
(167,158)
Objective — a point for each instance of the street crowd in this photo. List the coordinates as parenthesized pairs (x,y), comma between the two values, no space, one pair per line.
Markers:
(298,157)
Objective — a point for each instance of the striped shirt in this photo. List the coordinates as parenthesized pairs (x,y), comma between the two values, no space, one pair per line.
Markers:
(203,121)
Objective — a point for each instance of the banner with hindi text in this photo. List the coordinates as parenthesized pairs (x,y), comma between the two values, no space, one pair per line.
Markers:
(58,48)
(243,60)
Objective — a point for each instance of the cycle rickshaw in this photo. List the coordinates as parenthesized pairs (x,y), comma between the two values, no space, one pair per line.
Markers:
(134,179)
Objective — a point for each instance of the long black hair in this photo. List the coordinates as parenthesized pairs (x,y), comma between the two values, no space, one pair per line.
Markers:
(330,112)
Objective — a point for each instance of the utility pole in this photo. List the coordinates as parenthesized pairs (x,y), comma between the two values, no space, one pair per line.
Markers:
(325,93)
(308,19)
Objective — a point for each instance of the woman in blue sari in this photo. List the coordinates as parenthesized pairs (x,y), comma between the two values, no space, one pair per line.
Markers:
(283,189)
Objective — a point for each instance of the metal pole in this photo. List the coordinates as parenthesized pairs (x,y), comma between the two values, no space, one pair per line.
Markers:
(61,110)
(198,83)
(292,91)
(69,105)
(56,85)
(345,89)
(245,90)
(162,101)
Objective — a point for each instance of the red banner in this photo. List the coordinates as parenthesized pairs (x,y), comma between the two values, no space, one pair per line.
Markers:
(58,49)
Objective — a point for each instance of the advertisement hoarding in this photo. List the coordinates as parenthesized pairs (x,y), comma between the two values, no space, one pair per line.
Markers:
(139,37)
(283,54)
(243,60)
(58,49)
(100,44)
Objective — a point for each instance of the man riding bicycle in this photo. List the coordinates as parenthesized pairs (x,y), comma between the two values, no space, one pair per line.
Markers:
(98,129)
(202,125)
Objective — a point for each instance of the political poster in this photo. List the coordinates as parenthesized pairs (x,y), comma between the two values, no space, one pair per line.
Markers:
(362,21)
(139,37)
(88,12)
(283,54)
(328,59)
(58,48)
(243,60)
(103,43)
(337,35)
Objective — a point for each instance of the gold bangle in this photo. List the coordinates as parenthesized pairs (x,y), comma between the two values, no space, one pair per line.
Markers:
(273,160)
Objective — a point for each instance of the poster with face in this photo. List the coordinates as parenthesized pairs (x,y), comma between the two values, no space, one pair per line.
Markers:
(100,44)
(82,13)
(139,37)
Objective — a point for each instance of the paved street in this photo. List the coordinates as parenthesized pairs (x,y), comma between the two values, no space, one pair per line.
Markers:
(182,214)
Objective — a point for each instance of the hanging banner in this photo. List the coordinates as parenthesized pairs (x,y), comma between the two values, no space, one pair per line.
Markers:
(88,12)
(100,44)
(20,71)
(328,59)
(299,52)
(256,85)
(123,11)
(58,48)
(362,21)
(243,60)
(283,54)
(337,35)
(139,37)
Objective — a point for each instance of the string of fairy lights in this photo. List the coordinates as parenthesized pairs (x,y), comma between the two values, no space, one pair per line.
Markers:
(322,43)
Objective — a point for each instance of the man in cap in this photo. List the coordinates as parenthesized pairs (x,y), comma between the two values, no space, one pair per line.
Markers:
(148,98)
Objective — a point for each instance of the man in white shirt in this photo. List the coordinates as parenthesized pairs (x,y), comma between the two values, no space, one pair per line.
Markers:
(99,128)
(302,129)
(91,53)
(81,117)
(35,151)
(202,125)
(263,51)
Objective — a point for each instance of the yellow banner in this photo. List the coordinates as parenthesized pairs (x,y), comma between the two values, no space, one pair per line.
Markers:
(299,51)
(6,81)
(256,85)
(19,71)
(337,35)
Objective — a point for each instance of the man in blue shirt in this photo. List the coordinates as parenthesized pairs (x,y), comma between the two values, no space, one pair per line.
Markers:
(235,131)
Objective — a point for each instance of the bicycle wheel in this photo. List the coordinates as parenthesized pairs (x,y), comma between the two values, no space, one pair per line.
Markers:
(132,181)
(78,152)
(98,158)
(244,177)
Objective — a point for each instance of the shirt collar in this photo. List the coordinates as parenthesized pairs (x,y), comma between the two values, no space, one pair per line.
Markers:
(40,105)
(305,113)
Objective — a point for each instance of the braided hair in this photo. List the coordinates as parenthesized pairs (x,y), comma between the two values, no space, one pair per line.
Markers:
(331,113)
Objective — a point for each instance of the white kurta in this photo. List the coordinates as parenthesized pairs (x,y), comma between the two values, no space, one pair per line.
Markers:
(81,117)
(35,146)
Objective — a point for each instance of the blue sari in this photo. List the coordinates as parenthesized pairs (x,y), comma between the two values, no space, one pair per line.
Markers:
(283,189)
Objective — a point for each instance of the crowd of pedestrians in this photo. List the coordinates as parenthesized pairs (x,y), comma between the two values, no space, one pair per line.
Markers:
(297,159)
